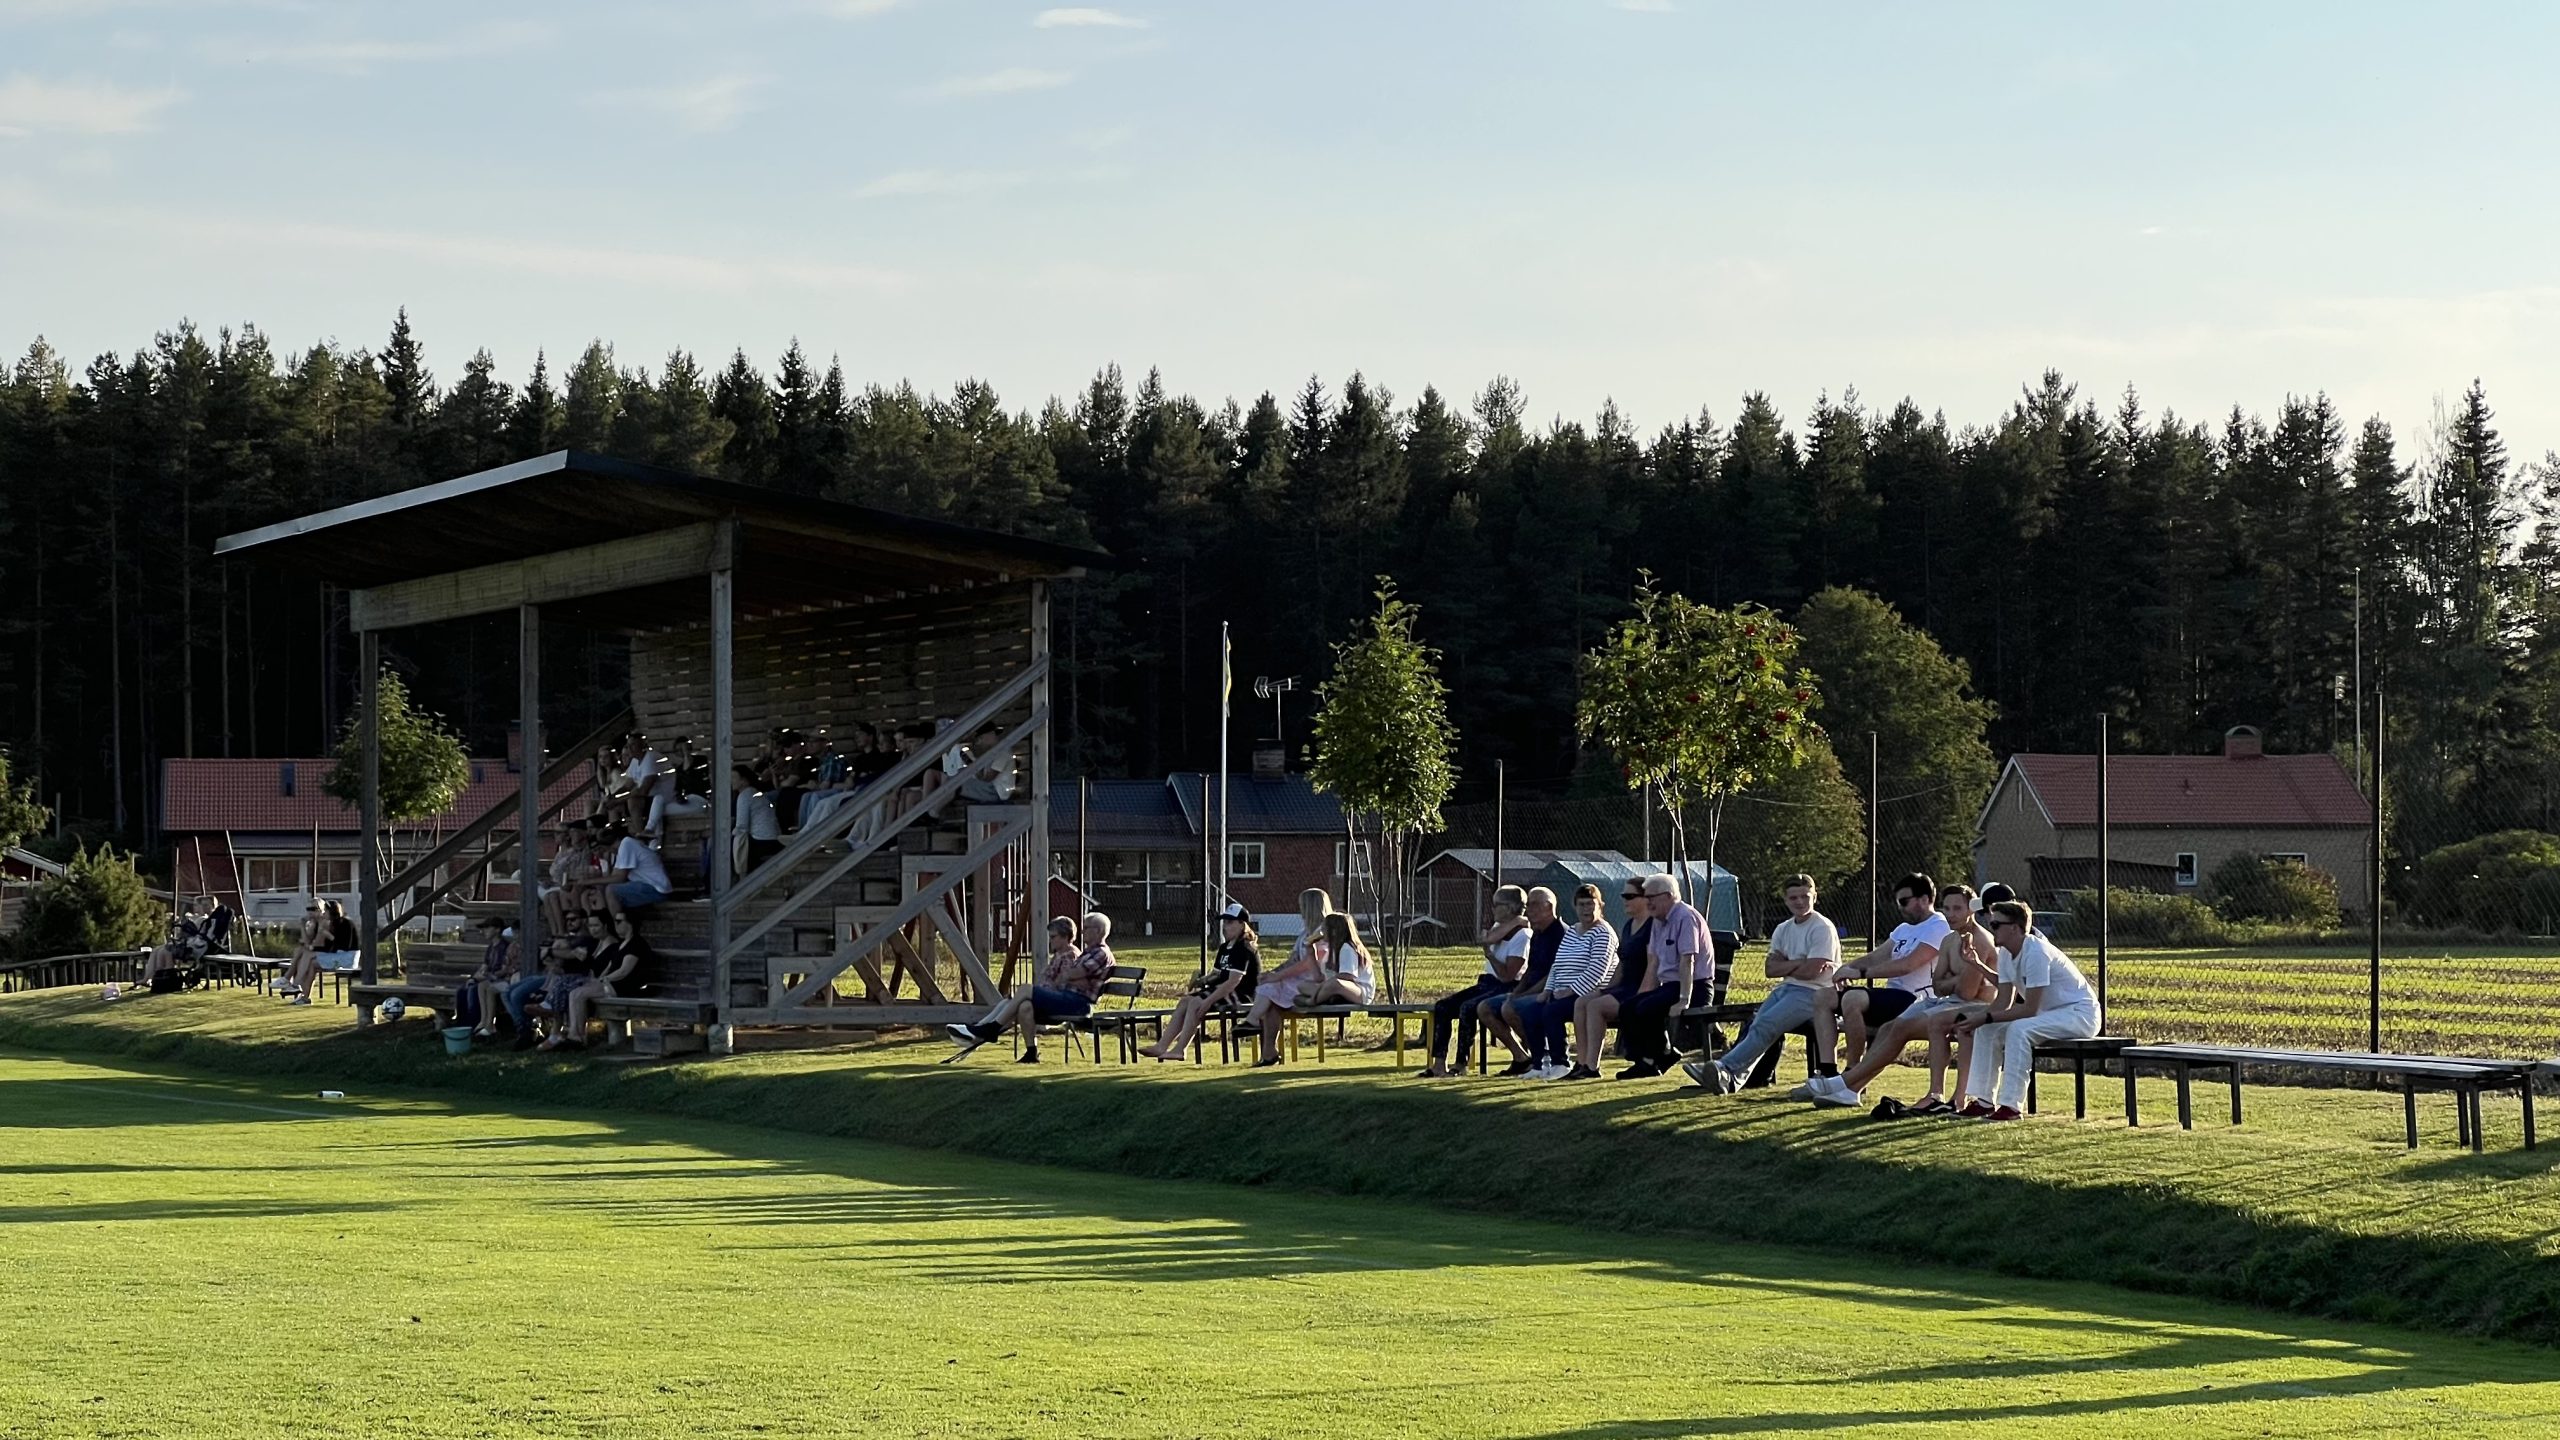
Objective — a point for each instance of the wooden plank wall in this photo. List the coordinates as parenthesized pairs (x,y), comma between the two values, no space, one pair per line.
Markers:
(923,657)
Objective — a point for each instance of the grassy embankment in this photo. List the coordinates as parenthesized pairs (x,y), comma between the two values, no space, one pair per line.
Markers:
(2312,1207)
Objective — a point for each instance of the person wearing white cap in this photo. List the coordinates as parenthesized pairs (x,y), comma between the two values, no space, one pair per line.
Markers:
(1238,971)
(497,970)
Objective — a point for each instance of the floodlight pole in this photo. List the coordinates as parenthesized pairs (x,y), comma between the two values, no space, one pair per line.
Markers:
(2106,876)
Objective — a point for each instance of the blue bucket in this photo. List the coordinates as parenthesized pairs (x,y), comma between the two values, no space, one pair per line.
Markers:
(457,1039)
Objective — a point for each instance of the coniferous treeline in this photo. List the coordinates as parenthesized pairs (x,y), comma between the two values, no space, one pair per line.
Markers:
(2083,556)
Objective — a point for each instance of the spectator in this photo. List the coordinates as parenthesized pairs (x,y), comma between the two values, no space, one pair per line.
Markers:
(1348,978)
(623,959)
(217,926)
(1068,983)
(521,994)
(1904,959)
(484,994)
(1505,943)
(989,780)
(1804,950)
(638,877)
(1593,1017)
(578,960)
(1500,1021)
(1238,971)
(1960,979)
(573,869)
(333,948)
(1683,972)
(755,831)
(675,792)
(1580,967)
(306,943)
(1284,988)
(2042,996)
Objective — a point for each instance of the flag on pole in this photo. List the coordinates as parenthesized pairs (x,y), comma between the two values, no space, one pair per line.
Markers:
(1226,669)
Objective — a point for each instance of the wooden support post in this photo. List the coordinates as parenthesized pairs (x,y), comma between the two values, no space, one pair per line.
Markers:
(724,747)
(369,810)
(529,789)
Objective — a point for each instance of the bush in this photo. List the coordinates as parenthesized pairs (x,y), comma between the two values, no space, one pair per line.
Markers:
(2142,918)
(2283,892)
(2509,880)
(97,903)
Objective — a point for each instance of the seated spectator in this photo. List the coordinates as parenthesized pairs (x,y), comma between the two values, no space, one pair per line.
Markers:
(755,831)
(1579,968)
(1600,1009)
(1224,987)
(989,778)
(1346,975)
(1903,959)
(333,948)
(675,793)
(483,996)
(623,961)
(1068,983)
(2042,996)
(637,878)
(1684,973)
(1804,950)
(1494,1012)
(217,926)
(572,869)
(575,961)
(1960,983)
(1287,988)
(525,992)
(306,942)
(1505,943)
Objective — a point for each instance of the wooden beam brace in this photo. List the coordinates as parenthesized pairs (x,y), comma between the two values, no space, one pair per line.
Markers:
(927,898)
(683,553)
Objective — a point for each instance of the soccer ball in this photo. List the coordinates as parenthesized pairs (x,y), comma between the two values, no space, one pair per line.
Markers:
(392,1009)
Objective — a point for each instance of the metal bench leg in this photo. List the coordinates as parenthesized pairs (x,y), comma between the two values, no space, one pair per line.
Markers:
(2031,1086)
(2186,1106)
(1319,1041)
(2526,1090)
(2409,1107)
(2461,1117)
(2080,1086)
(1399,1019)
(2235,1093)
(2476,1123)
(2132,1106)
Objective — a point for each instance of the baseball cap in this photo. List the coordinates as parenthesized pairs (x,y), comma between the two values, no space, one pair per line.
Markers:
(1235,911)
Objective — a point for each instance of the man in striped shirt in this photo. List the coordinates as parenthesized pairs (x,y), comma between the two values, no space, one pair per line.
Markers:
(1581,968)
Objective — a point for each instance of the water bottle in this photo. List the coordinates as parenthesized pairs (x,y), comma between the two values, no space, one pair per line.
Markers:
(333,1094)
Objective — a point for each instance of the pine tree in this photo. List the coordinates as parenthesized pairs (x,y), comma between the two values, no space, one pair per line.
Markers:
(739,398)
(535,423)
(594,399)
(405,378)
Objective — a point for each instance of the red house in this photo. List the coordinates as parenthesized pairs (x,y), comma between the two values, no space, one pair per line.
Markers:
(1149,839)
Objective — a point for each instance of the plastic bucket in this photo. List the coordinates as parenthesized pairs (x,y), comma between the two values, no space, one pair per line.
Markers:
(457,1040)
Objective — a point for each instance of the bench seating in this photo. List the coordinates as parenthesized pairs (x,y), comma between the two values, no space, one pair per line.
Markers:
(2080,1052)
(2466,1078)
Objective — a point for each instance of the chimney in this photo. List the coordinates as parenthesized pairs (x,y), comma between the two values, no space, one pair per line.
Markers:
(1270,762)
(2241,742)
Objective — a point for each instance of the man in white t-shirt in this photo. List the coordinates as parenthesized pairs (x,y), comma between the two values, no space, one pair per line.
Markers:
(2043,996)
(638,878)
(1902,962)
(1804,950)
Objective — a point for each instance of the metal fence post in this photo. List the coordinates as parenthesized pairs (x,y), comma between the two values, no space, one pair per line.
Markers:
(2106,867)
(1875,839)
(2373,901)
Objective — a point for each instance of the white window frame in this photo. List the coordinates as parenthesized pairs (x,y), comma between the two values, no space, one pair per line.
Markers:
(2187,871)
(1343,857)
(1239,868)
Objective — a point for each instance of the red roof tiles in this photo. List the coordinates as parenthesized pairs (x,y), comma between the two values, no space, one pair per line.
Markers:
(2186,791)
(248,795)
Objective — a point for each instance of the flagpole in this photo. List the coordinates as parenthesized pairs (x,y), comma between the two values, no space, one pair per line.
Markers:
(1226,689)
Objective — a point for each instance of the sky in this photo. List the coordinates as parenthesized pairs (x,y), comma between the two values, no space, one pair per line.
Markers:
(1666,203)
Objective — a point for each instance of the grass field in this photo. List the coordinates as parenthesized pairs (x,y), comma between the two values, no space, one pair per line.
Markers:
(2474,1000)
(204,1257)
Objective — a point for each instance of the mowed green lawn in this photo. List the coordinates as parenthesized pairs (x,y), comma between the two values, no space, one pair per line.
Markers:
(2499,1001)
(186,1256)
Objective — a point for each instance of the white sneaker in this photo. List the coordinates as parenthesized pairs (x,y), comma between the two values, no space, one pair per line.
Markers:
(1807,1090)
(1834,1092)
(1551,1071)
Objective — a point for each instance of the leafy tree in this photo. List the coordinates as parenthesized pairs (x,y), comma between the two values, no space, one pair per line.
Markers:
(2499,881)
(2283,892)
(1807,818)
(1699,703)
(423,768)
(1384,747)
(1884,676)
(98,903)
(21,815)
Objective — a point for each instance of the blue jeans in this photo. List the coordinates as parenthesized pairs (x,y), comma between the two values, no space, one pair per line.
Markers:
(1049,1004)
(1542,1020)
(637,894)
(1787,1008)
(518,993)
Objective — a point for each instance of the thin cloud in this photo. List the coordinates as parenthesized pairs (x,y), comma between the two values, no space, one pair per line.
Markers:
(1077,17)
(476,254)
(360,54)
(703,106)
(857,9)
(1644,7)
(900,183)
(34,105)
(1011,81)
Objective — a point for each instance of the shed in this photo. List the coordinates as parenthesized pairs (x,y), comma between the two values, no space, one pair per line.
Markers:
(1612,873)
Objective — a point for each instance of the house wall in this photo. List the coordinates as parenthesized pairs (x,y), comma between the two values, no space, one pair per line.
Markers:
(2014,829)
(925,657)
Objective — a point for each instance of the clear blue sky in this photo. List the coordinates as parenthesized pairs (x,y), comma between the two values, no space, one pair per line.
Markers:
(1664,201)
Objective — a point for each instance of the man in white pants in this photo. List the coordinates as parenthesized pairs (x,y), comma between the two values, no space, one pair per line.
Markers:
(2042,996)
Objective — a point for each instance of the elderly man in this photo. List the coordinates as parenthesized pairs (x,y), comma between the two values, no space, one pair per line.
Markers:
(1684,972)
(1068,985)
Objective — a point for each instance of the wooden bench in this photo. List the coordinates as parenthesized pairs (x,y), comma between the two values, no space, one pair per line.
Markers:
(2100,1048)
(2466,1078)
(1390,1011)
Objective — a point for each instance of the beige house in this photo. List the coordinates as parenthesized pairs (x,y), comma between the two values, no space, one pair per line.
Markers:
(2171,820)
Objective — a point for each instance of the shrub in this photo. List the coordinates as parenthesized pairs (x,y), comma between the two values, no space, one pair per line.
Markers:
(2501,881)
(2143,918)
(97,903)
(2284,892)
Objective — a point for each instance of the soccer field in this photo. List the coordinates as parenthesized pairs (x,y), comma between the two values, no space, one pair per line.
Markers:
(192,1256)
